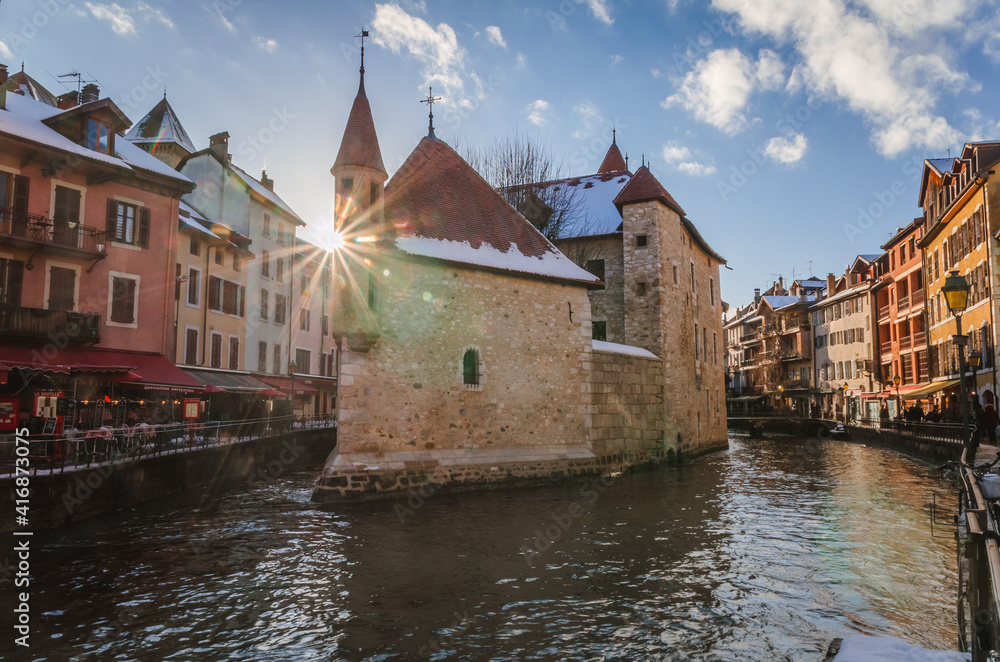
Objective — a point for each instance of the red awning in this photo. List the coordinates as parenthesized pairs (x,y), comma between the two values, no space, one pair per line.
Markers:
(150,370)
(285,384)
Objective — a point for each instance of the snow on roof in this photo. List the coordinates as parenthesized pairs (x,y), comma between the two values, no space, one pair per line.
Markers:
(553,264)
(194,219)
(24,120)
(942,165)
(594,212)
(863,648)
(839,296)
(629,350)
(264,192)
(160,125)
(777,302)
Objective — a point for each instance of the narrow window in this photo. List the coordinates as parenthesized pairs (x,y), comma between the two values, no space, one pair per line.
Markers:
(277,359)
(711,290)
(263,308)
(234,353)
(600,330)
(641,241)
(470,367)
(262,356)
(267,226)
(191,347)
(677,275)
(692,277)
(194,287)
(265,264)
(195,245)
(216,356)
(596,267)
(640,289)
(220,257)
(123,300)
(373,193)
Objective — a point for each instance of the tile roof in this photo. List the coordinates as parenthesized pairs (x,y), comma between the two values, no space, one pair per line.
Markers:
(160,125)
(644,186)
(437,205)
(613,161)
(359,146)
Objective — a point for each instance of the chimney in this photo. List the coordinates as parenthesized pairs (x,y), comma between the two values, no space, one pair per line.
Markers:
(3,74)
(781,285)
(3,86)
(831,285)
(89,93)
(756,296)
(219,143)
(266,181)
(68,100)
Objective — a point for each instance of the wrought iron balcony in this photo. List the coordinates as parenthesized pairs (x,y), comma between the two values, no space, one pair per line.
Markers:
(42,231)
(63,325)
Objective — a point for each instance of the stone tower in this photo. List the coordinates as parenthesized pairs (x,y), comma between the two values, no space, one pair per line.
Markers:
(360,219)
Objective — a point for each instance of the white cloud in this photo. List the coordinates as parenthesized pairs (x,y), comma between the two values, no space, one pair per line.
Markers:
(494,35)
(883,63)
(787,150)
(436,48)
(5,50)
(655,72)
(535,111)
(680,157)
(599,8)
(718,89)
(265,44)
(672,153)
(522,61)
(617,59)
(590,117)
(119,18)
(696,169)
(123,21)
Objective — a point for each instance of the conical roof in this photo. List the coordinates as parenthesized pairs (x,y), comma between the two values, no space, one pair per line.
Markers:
(644,186)
(613,161)
(359,147)
(34,89)
(160,125)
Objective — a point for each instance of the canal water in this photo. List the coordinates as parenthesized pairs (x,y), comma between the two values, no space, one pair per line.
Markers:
(764,552)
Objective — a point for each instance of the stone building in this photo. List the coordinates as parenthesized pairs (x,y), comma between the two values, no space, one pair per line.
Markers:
(467,345)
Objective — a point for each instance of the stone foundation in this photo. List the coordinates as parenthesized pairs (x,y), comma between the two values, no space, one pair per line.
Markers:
(367,478)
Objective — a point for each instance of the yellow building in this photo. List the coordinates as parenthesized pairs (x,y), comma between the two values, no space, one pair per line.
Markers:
(210,295)
(960,217)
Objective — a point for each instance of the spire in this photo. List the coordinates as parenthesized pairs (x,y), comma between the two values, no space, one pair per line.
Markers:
(430,107)
(614,129)
(613,161)
(359,146)
(364,33)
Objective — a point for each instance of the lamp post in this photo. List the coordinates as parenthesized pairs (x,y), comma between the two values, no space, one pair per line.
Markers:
(896,381)
(781,397)
(956,295)
(844,389)
(291,396)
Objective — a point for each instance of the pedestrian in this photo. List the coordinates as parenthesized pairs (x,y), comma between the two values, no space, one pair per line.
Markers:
(883,416)
(933,416)
(990,422)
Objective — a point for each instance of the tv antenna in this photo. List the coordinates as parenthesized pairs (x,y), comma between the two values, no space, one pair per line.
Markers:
(79,80)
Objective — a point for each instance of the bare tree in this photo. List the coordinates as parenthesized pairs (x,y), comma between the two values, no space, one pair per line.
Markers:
(525,173)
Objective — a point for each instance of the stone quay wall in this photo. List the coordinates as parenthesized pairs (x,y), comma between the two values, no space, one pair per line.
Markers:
(626,404)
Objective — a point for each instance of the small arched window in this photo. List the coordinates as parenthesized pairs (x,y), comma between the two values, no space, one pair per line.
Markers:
(470,367)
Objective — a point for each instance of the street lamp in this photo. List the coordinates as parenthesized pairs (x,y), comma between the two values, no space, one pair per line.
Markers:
(896,380)
(844,389)
(956,295)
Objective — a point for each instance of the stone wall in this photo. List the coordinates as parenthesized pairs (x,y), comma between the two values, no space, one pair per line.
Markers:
(626,403)
(608,304)
(404,403)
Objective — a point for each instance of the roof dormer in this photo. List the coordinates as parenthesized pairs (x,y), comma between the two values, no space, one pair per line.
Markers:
(92,125)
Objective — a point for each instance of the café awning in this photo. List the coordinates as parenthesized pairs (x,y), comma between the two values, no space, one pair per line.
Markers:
(154,371)
(933,387)
(233,381)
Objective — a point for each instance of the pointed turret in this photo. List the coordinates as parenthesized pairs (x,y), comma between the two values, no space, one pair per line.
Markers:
(359,170)
(644,186)
(613,161)
(161,134)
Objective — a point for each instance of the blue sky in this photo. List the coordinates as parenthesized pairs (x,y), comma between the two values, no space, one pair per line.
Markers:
(791,131)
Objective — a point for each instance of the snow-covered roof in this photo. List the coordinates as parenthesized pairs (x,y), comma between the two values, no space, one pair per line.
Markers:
(160,125)
(840,296)
(264,192)
(592,197)
(438,206)
(942,165)
(24,120)
(629,350)
(778,302)
(194,219)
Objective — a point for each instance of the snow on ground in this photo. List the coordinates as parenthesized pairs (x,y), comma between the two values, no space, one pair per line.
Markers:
(862,648)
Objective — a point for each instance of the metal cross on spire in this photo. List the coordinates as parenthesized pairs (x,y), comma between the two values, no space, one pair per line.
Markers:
(430,115)
(364,33)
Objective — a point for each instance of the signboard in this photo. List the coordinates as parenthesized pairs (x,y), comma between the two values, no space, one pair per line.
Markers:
(192,409)
(10,409)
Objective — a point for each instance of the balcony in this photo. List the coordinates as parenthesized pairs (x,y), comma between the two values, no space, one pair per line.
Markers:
(917,300)
(883,312)
(37,230)
(905,342)
(887,347)
(919,338)
(49,324)
(902,305)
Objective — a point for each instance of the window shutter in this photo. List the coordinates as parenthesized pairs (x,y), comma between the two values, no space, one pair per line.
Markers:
(213,293)
(15,273)
(243,301)
(20,203)
(143,239)
(112,219)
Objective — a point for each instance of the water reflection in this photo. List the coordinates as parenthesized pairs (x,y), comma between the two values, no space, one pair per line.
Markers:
(764,552)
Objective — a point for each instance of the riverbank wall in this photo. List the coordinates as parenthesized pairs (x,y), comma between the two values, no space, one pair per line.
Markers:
(59,498)
(929,449)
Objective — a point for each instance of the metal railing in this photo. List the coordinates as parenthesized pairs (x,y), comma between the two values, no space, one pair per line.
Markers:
(76,450)
(948,432)
(916,298)
(43,230)
(903,304)
(44,323)
(883,312)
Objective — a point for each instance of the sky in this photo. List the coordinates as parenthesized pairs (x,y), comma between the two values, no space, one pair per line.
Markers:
(792,132)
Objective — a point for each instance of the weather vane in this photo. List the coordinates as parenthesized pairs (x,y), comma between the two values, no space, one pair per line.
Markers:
(430,115)
(364,33)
